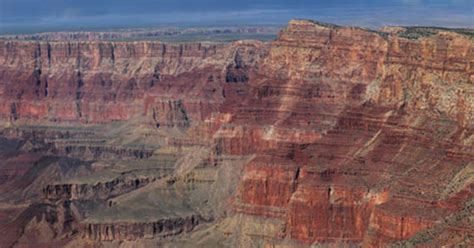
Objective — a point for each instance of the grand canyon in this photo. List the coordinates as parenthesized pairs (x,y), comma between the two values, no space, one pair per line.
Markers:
(326,136)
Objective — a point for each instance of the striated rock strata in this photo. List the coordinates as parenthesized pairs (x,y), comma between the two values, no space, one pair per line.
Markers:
(328,135)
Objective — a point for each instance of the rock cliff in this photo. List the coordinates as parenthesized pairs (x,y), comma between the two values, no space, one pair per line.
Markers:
(328,135)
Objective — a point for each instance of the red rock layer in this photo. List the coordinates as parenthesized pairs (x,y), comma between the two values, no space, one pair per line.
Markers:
(357,136)
(354,114)
(91,82)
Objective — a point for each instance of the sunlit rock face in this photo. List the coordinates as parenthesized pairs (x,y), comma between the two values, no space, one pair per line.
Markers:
(331,136)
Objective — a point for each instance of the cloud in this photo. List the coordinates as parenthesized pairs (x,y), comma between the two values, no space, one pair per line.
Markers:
(411,1)
(71,13)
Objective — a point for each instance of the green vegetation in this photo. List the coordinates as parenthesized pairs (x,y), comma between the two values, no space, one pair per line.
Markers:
(322,24)
(415,33)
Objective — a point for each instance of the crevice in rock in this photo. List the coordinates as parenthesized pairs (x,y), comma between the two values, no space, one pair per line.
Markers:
(79,93)
(46,87)
(49,53)
(13,112)
(112,54)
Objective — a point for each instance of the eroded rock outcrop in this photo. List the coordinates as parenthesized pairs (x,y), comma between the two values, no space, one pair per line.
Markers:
(365,138)
(133,231)
(351,136)
(100,190)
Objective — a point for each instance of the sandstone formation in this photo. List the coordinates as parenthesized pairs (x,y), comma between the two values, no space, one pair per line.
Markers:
(328,135)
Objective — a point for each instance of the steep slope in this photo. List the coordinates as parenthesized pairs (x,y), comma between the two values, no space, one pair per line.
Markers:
(331,136)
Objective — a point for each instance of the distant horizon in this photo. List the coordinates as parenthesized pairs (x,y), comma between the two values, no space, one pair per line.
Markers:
(18,17)
(177,26)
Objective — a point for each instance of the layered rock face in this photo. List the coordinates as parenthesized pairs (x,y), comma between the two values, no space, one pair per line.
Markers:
(91,82)
(332,136)
(375,146)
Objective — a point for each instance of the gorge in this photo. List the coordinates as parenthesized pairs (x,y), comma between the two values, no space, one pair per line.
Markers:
(327,136)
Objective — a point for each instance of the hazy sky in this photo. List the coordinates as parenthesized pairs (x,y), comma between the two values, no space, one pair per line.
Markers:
(51,15)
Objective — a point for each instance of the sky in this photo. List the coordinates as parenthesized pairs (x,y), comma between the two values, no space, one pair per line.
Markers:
(24,16)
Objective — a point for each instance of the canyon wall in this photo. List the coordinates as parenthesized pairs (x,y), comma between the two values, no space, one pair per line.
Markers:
(328,136)
(383,127)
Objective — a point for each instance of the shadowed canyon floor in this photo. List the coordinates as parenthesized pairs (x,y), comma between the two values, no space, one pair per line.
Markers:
(327,136)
